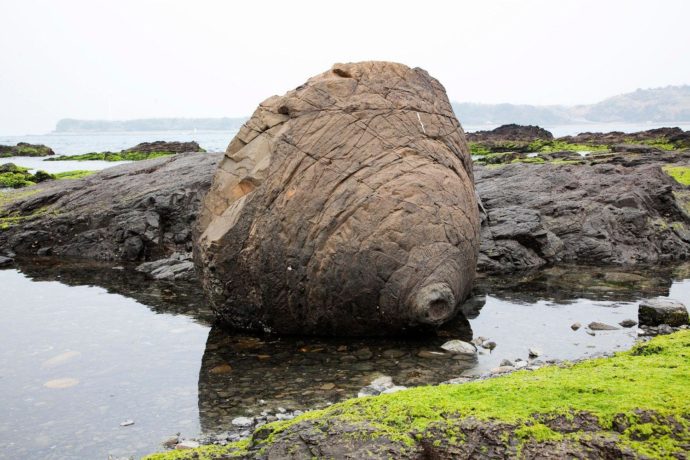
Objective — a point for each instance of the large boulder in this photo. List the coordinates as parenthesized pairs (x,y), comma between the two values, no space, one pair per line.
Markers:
(344,207)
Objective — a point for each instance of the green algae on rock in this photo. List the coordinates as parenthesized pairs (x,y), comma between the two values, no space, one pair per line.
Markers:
(23,149)
(631,405)
(143,151)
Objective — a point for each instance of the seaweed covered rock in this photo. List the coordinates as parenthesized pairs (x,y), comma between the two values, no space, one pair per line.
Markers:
(23,149)
(344,207)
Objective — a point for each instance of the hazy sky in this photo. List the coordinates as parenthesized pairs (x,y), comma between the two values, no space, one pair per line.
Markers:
(134,59)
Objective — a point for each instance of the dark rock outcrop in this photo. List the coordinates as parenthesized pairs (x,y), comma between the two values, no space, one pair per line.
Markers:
(137,211)
(617,212)
(621,209)
(676,136)
(164,146)
(511,132)
(345,207)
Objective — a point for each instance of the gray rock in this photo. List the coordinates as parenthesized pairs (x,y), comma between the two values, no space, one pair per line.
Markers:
(597,326)
(520,364)
(502,369)
(628,323)
(433,354)
(6,261)
(458,380)
(459,347)
(187,444)
(665,329)
(654,312)
(506,362)
(242,421)
(393,353)
(393,389)
(127,423)
(575,326)
(489,345)
(534,352)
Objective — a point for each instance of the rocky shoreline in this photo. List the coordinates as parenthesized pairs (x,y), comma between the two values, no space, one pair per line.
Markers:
(588,408)
(613,208)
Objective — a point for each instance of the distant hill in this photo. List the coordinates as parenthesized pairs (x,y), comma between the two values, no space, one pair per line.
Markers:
(668,104)
(70,125)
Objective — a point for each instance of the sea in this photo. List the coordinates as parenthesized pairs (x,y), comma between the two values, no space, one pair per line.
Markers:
(217,141)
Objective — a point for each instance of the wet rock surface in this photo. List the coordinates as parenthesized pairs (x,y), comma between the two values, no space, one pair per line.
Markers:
(609,213)
(133,212)
(658,312)
(344,207)
(618,210)
(24,149)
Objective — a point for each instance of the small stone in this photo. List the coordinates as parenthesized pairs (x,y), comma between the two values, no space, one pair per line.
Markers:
(127,423)
(187,445)
(458,380)
(242,421)
(458,347)
(502,369)
(433,354)
(479,340)
(575,326)
(393,389)
(327,386)
(506,362)
(520,364)
(342,348)
(170,442)
(628,323)
(597,326)
(383,381)
(221,369)
(591,333)
(393,354)
(664,329)
(534,352)
(489,344)
(363,354)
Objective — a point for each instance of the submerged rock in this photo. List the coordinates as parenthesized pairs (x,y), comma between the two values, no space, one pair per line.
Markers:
(656,312)
(597,326)
(345,207)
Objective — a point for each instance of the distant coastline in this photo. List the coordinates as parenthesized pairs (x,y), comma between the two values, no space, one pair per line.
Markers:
(668,106)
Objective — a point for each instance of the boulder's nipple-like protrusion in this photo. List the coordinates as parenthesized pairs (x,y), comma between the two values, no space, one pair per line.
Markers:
(434,303)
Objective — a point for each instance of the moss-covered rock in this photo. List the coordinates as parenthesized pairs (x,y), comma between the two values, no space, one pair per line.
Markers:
(13,176)
(23,149)
(632,405)
(143,151)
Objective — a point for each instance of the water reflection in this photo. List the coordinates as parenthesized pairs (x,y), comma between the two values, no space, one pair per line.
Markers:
(156,370)
(181,297)
(246,374)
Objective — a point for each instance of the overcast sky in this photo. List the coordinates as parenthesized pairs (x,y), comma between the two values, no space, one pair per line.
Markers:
(143,58)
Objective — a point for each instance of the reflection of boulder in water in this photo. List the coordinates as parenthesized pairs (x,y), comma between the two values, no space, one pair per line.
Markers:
(473,305)
(239,371)
(567,283)
(161,297)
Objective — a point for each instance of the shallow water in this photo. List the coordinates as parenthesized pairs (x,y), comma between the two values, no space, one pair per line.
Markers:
(36,163)
(84,347)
